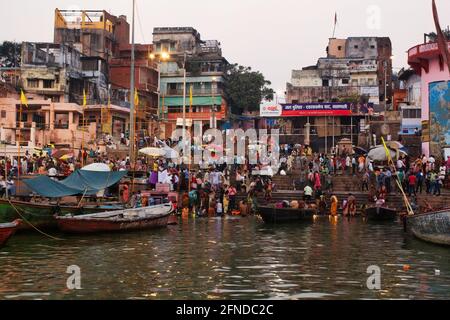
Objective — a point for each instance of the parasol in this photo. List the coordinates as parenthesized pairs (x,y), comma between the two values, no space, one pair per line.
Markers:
(153,152)
(99,167)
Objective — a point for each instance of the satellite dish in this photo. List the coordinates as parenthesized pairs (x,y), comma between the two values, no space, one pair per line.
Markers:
(385,130)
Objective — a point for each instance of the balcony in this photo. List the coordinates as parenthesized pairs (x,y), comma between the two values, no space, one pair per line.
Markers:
(195,92)
(419,56)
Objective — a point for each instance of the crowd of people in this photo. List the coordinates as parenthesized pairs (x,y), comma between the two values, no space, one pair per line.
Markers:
(211,188)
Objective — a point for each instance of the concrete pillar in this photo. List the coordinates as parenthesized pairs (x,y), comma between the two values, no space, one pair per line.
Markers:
(71,125)
(307,133)
(47,118)
(32,142)
(52,117)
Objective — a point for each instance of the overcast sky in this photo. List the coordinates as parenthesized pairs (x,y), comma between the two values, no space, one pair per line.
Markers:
(273,36)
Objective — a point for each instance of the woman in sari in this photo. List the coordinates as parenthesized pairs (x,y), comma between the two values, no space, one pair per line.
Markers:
(334,205)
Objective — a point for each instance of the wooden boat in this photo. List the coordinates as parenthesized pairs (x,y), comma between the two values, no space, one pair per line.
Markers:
(432,227)
(380,213)
(42,215)
(7,230)
(121,220)
(270,214)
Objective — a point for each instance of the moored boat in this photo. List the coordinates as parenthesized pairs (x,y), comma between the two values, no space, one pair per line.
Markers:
(121,220)
(432,227)
(7,230)
(42,215)
(271,214)
(380,213)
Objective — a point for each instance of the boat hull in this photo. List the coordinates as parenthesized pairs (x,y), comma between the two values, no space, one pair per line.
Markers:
(90,224)
(7,230)
(380,214)
(432,227)
(271,214)
(41,215)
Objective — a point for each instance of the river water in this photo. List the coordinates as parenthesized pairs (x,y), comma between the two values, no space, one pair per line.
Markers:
(229,258)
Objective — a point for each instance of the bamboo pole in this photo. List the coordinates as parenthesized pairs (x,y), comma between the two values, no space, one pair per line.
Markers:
(18,148)
(391,162)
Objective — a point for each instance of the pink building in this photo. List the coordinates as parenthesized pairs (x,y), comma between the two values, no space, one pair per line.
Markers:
(427,61)
(43,122)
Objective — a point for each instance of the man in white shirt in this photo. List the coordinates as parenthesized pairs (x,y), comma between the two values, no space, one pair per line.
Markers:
(52,172)
(432,161)
(308,191)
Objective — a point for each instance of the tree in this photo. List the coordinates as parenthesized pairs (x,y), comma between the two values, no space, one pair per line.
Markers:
(432,36)
(245,89)
(10,54)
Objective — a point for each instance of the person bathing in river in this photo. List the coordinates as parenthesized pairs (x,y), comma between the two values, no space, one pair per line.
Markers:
(334,205)
(350,206)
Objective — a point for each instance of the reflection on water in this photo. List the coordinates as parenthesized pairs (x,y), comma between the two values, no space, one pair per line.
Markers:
(229,258)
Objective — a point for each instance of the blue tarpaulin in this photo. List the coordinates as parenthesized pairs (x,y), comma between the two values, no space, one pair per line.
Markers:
(80,182)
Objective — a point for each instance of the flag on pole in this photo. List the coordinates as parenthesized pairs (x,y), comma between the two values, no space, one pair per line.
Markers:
(191,99)
(335,23)
(136,97)
(84,98)
(23,99)
(442,40)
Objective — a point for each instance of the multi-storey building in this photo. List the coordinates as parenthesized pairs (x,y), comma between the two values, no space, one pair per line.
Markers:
(146,83)
(329,101)
(54,71)
(205,66)
(355,67)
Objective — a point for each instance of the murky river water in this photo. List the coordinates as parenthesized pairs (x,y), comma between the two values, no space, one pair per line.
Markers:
(229,259)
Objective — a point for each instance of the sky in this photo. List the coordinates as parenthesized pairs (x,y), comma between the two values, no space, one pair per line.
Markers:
(272,36)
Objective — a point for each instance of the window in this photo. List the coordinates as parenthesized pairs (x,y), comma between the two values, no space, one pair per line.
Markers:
(3,114)
(48,84)
(339,48)
(372,47)
(412,113)
(325,82)
(33,83)
(345,81)
(356,46)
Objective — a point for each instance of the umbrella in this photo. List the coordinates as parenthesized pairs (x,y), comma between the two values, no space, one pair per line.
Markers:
(99,167)
(360,151)
(379,154)
(58,153)
(66,157)
(214,147)
(394,145)
(153,152)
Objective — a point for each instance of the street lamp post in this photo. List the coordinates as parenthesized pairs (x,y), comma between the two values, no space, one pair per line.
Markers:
(163,56)
(184,99)
(213,91)
(132,106)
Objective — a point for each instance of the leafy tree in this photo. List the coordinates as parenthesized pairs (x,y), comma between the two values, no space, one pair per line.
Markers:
(10,54)
(432,36)
(245,89)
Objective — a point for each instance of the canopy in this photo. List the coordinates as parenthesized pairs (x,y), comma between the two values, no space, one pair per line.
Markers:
(80,182)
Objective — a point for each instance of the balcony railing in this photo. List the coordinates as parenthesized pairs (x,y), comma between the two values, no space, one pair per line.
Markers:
(195,92)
